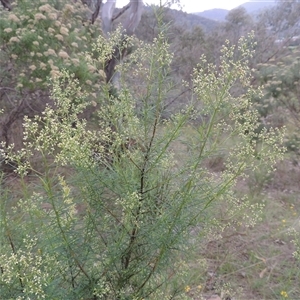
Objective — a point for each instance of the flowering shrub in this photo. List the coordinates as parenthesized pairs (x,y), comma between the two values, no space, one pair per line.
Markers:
(40,38)
(115,207)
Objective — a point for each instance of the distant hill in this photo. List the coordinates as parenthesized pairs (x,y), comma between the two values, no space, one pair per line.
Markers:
(191,20)
(216,14)
(175,18)
(252,7)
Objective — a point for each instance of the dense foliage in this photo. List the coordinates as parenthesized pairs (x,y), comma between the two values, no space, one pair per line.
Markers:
(119,185)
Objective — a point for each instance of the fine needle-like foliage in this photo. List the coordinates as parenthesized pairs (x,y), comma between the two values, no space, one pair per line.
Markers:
(118,203)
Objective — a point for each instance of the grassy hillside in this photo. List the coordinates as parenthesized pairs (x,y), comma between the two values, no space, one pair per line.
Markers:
(252,7)
(216,14)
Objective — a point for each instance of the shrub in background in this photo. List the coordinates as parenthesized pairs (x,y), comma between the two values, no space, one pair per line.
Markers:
(41,37)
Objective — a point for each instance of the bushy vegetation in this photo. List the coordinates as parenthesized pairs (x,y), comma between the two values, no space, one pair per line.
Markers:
(132,190)
(39,39)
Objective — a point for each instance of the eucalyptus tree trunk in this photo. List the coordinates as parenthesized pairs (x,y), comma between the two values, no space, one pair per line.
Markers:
(129,25)
(6,4)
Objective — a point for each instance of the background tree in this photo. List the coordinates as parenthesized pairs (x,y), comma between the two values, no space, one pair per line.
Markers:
(238,23)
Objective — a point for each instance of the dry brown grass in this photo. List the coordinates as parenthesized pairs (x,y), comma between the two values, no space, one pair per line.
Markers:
(258,262)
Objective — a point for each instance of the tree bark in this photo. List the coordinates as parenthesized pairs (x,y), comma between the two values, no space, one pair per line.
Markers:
(6,4)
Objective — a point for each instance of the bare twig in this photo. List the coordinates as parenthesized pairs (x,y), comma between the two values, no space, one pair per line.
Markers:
(10,119)
(6,4)
(177,97)
(96,12)
(7,88)
(121,12)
